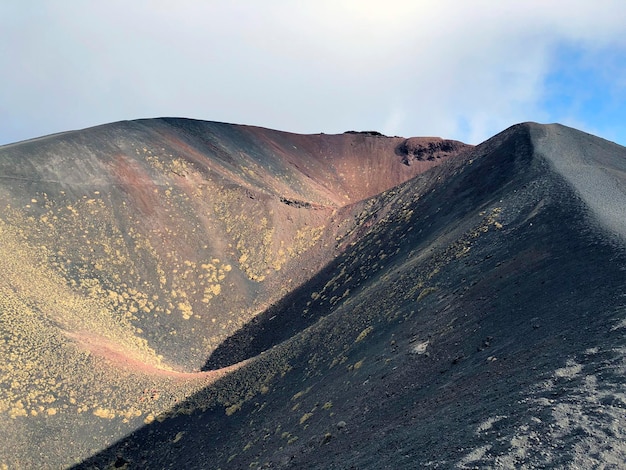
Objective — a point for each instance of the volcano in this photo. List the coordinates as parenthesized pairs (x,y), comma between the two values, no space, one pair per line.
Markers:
(189,294)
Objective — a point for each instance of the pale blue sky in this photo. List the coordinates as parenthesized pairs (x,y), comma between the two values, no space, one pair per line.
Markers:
(453,68)
(588,90)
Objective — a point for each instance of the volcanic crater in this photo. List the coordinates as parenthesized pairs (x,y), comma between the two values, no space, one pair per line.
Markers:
(177,292)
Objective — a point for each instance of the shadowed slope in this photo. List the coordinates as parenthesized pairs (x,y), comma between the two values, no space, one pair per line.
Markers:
(475,322)
(130,251)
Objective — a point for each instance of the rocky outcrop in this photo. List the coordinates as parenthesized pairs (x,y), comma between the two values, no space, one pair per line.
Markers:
(429,149)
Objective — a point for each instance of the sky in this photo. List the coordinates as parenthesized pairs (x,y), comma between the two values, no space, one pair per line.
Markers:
(458,69)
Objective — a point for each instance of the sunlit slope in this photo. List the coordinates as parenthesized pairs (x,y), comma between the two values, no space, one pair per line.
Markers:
(175,226)
(129,252)
(476,321)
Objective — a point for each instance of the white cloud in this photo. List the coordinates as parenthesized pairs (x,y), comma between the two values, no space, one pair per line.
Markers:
(458,69)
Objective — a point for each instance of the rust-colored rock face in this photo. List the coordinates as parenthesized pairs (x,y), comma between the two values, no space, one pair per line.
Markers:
(419,149)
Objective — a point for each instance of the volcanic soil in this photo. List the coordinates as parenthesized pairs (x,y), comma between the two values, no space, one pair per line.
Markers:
(132,251)
(185,294)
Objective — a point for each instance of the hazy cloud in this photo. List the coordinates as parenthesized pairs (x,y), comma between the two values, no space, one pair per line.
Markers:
(458,69)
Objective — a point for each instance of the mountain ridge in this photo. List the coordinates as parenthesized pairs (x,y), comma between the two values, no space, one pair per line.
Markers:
(451,329)
(443,300)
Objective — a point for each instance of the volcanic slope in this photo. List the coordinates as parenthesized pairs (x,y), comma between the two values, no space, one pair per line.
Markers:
(477,321)
(130,252)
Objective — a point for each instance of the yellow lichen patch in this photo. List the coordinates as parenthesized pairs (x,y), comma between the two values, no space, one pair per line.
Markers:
(18,410)
(425,292)
(233,408)
(261,248)
(104,413)
(364,333)
(185,309)
(215,289)
(305,238)
(300,394)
